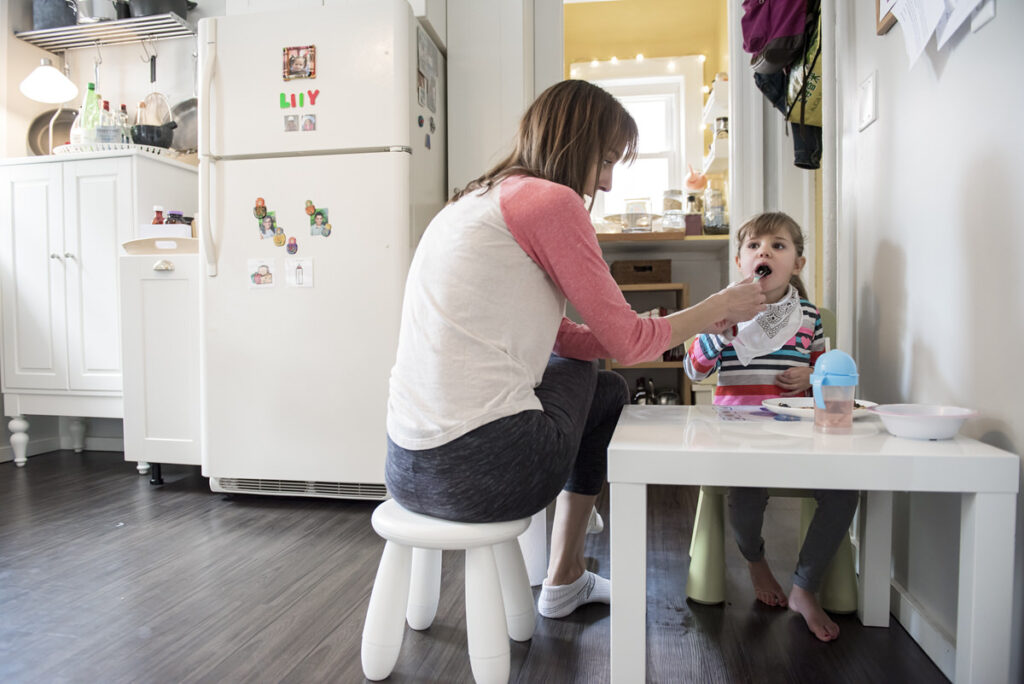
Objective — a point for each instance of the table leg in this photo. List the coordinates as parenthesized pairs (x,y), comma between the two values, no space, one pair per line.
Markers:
(875,559)
(984,601)
(628,504)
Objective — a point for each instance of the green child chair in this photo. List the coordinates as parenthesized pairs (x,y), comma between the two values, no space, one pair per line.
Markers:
(706,580)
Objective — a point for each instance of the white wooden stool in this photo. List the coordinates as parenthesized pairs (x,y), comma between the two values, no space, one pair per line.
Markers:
(499,603)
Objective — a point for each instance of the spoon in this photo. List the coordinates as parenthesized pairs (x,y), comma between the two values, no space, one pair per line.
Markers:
(761,272)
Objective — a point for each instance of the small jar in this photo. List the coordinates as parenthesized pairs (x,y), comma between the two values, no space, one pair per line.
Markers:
(721,127)
(158,214)
(672,201)
(174,217)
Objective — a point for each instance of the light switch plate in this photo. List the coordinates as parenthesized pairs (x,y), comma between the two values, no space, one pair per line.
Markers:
(867,101)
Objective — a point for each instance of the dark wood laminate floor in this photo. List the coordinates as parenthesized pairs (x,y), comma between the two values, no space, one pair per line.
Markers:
(105,578)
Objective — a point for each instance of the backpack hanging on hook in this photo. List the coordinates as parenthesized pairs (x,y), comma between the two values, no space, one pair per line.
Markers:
(774,33)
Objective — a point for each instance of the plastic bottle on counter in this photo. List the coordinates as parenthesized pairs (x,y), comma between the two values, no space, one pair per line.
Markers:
(75,134)
(125,125)
(140,114)
(108,130)
(90,114)
(158,214)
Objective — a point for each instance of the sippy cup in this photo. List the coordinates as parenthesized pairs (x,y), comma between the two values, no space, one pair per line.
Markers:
(834,381)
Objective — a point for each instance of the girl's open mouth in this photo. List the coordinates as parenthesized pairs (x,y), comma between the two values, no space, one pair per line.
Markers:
(763,270)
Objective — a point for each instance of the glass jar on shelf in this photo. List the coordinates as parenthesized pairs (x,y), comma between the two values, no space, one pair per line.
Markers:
(716,213)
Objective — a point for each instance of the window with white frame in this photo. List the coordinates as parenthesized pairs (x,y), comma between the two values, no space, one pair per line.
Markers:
(664,97)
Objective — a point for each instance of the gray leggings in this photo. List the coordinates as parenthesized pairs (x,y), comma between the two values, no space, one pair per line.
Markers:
(513,467)
(831,521)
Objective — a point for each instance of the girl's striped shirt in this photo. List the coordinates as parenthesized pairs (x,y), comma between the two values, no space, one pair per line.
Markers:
(755,382)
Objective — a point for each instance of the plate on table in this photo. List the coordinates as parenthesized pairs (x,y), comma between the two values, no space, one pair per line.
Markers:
(803,407)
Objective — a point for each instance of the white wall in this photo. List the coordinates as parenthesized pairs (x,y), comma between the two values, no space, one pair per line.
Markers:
(931,194)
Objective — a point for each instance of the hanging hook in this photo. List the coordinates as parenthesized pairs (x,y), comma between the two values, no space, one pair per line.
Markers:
(96,67)
(145,50)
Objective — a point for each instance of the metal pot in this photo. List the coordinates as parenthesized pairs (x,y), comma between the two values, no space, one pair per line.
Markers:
(156,136)
(668,397)
(186,135)
(92,11)
(145,8)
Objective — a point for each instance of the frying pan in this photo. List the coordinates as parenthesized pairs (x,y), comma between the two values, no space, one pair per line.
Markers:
(186,136)
(38,137)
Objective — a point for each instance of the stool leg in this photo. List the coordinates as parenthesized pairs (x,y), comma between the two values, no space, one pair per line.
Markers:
(705,582)
(486,630)
(520,613)
(384,627)
(424,587)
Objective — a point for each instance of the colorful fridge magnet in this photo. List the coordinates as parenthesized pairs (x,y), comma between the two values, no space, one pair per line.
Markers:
(419,120)
(291,123)
(309,122)
(299,62)
(279,236)
(310,207)
(267,225)
(318,224)
(298,272)
(292,246)
(260,209)
(428,141)
(261,273)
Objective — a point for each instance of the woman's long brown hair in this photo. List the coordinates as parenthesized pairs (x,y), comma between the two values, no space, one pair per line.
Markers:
(564,136)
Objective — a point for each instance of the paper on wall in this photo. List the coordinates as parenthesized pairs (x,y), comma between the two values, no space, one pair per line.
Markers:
(957,12)
(918,19)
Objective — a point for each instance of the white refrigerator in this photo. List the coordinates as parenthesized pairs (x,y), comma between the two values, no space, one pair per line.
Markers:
(322,158)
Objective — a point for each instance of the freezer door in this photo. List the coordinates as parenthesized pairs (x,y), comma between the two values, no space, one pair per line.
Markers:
(295,371)
(307,80)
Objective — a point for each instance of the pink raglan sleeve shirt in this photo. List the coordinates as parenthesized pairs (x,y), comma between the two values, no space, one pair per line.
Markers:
(551,224)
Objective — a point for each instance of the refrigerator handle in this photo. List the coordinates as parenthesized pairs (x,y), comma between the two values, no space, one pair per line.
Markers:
(206,218)
(208,53)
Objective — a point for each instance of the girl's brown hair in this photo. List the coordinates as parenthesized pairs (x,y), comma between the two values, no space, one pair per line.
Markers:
(772,222)
(563,137)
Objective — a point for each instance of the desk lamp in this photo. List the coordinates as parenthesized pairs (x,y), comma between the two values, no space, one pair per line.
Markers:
(48,85)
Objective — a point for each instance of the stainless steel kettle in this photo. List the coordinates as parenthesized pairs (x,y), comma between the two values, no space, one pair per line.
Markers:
(92,11)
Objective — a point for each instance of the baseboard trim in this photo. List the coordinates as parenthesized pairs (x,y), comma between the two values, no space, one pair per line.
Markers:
(35,447)
(935,641)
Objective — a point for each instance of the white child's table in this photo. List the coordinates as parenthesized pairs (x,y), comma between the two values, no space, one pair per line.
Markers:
(704,445)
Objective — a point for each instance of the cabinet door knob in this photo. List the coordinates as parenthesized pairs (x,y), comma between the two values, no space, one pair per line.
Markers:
(163,265)
(54,255)
(69,255)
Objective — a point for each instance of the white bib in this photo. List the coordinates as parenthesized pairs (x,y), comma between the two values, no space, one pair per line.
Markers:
(770,329)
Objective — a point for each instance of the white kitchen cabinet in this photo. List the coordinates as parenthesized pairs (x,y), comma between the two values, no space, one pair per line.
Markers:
(62,222)
(160,341)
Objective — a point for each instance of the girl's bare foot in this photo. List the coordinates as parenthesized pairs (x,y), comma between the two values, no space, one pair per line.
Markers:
(806,603)
(766,588)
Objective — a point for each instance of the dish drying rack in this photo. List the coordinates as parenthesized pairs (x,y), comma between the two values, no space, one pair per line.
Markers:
(68,148)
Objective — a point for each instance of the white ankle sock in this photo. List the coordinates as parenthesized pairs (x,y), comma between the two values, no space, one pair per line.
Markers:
(557,602)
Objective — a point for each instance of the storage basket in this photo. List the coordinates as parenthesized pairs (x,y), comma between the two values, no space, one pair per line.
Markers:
(645,271)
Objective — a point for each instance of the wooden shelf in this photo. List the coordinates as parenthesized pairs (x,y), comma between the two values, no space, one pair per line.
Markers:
(654,287)
(666,236)
(650,364)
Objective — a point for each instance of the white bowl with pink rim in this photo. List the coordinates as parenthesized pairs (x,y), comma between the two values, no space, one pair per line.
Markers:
(922,421)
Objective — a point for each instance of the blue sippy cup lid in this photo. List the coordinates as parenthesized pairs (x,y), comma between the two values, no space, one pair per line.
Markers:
(835,368)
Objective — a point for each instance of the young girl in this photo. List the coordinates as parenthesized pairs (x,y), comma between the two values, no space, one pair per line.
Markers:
(768,357)
(495,406)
